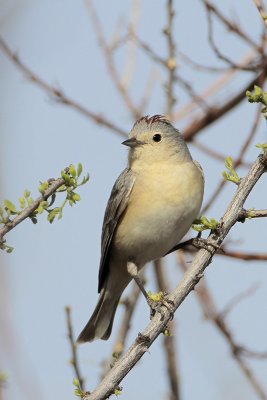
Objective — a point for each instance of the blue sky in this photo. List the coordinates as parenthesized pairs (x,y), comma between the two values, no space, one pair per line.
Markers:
(57,265)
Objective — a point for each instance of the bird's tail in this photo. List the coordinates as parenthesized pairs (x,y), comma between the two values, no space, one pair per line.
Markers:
(100,324)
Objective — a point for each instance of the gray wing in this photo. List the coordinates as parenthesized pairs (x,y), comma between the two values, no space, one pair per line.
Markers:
(117,203)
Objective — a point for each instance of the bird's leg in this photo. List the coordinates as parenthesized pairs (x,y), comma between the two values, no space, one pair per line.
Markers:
(155,301)
(133,272)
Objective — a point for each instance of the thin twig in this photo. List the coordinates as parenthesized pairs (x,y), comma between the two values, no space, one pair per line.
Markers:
(127,75)
(232,26)
(58,94)
(197,99)
(171,60)
(27,212)
(169,341)
(212,89)
(73,345)
(214,153)
(237,162)
(217,112)
(216,49)
(261,10)
(130,304)
(186,285)
(210,311)
(238,298)
(253,214)
(110,62)
(243,256)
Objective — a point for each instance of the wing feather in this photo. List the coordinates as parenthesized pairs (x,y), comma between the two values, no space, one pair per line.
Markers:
(117,204)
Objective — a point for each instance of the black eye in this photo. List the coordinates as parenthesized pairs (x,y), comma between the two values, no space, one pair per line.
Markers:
(157,137)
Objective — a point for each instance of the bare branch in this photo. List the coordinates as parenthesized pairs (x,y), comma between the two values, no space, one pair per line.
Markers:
(171,61)
(253,214)
(58,94)
(261,10)
(214,153)
(210,311)
(215,113)
(169,341)
(122,89)
(73,345)
(130,304)
(237,162)
(232,26)
(237,299)
(215,48)
(187,284)
(213,88)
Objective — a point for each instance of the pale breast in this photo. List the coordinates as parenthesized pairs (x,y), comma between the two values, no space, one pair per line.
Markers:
(162,206)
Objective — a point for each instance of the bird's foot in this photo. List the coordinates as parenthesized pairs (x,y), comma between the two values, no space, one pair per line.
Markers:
(156,301)
(200,243)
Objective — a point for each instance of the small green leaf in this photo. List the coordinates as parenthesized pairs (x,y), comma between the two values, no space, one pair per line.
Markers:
(118,391)
(72,170)
(203,224)
(79,169)
(166,332)
(155,296)
(76,197)
(27,193)
(10,206)
(262,146)
(22,202)
(42,188)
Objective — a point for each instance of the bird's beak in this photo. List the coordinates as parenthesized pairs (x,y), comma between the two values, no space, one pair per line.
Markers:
(132,142)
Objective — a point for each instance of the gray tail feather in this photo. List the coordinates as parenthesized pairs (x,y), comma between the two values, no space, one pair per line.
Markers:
(100,324)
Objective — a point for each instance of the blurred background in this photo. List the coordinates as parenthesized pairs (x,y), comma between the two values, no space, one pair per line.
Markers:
(115,60)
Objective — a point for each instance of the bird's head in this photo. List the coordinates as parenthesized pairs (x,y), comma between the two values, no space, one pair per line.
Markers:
(154,139)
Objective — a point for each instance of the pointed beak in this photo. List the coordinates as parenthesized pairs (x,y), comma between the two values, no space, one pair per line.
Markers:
(132,142)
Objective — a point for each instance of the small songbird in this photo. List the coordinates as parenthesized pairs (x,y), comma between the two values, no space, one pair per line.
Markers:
(151,207)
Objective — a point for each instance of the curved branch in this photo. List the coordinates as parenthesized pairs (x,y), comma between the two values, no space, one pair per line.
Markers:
(56,93)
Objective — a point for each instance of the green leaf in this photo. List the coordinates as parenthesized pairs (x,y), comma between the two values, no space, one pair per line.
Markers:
(262,146)
(42,188)
(72,171)
(204,224)
(76,197)
(10,206)
(27,193)
(22,202)
(79,169)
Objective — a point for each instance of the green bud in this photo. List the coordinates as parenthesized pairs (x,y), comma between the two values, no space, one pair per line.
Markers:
(72,170)
(10,206)
(22,202)
(79,169)
(42,188)
(27,193)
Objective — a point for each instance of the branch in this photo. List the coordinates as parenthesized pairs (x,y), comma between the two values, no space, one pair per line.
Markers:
(27,212)
(169,341)
(261,9)
(237,162)
(171,61)
(58,94)
(215,113)
(73,345)
(122,89)
(187,284)
(210,311)
(120,343)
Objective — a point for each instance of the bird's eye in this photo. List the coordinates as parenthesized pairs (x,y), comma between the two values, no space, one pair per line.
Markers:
(157,137)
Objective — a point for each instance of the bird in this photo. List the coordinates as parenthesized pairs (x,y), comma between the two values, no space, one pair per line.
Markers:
(152,205)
